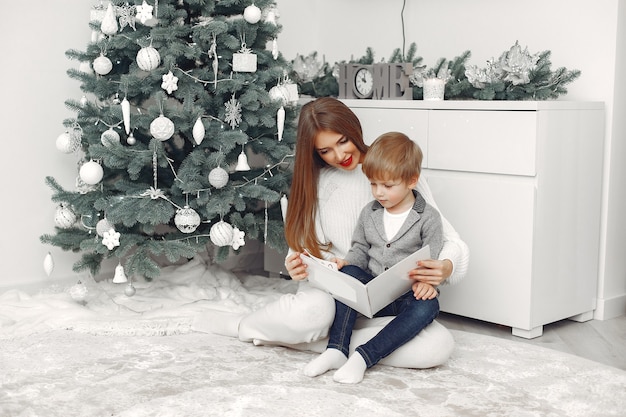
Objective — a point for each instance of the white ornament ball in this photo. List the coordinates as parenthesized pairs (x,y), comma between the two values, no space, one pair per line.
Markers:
(130,290)
(78,292)
(187,220)
(91,172)
(67,143)
(102,226)
(102,65)
(64,217)
(218,177)
(277,93)
(131,140)
(109,137)
(85,67)
(148,58)
(252,14)
(162,128)
(221,234)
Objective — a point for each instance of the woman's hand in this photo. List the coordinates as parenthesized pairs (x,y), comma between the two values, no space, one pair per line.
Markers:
(423,291)
(295,267)
(430,271)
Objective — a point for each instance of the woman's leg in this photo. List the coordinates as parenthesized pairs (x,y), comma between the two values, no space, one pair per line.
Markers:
(292,319)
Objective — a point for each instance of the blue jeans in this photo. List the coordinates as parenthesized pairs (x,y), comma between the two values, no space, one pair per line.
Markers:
(411,317)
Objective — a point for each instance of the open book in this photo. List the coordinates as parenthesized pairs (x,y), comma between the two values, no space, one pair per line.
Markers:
(368,299)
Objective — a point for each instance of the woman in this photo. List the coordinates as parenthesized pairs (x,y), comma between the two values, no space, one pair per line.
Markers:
(327,194)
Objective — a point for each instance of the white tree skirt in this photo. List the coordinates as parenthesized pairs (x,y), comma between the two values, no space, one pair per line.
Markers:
(137,356)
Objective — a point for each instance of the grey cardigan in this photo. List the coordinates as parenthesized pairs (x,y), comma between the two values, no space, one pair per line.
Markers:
(372,252)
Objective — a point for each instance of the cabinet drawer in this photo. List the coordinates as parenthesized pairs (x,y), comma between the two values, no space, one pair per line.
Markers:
(501,142)
(413,123)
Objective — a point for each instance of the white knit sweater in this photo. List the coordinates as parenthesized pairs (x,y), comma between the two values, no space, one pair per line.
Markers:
(343,194)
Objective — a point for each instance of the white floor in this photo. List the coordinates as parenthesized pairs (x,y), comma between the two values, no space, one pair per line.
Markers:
(601,341)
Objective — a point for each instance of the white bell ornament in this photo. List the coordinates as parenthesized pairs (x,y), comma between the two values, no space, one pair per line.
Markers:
(242,162)
(271,17)
(120,276)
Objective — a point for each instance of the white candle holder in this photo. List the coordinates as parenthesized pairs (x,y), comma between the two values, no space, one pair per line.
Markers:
(434,88)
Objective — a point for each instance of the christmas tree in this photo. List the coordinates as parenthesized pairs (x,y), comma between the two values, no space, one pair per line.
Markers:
(178,94)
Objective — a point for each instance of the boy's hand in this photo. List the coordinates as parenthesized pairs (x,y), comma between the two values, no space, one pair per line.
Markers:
(423,291)
(340,262)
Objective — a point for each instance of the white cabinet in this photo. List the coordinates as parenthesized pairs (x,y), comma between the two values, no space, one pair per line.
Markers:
(521,182)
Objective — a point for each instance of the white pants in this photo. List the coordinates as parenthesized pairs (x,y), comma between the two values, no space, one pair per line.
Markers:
(302,320)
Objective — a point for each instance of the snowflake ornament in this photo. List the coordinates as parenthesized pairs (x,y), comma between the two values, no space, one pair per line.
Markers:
(153,193)
(170,82)
(144,12)
(233,112)
(238,238)
(111,239)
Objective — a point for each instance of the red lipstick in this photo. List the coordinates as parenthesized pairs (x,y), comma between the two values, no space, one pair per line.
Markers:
(347,162)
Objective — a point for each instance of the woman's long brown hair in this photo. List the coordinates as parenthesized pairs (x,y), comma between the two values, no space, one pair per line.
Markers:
(322,114)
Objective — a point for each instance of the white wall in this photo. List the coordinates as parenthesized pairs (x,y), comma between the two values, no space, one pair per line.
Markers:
(32,111)
(582,34)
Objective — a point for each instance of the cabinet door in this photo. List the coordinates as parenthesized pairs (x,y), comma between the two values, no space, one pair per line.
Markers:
(497,142)
(494,216)
(411,122)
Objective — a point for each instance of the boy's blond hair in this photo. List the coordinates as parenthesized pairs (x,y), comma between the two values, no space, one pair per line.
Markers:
(393,156)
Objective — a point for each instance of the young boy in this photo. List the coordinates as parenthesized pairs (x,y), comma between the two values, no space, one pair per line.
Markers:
(396,224)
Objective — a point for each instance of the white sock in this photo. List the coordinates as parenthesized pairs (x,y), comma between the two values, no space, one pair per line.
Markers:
(327,360)
(224,323)
(353,370)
